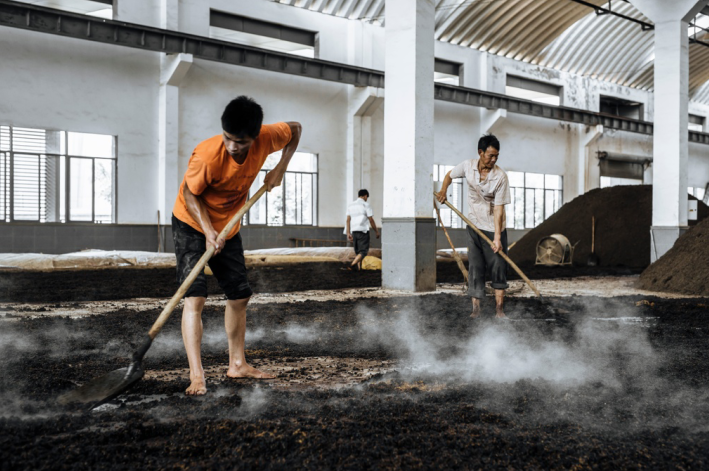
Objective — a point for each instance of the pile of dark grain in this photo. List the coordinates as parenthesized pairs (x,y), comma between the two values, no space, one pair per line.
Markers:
(623,219)
(684,268)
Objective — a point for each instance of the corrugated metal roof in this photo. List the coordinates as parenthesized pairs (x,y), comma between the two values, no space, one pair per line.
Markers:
(365,10)
(518,29)
(605,47)
(558,34)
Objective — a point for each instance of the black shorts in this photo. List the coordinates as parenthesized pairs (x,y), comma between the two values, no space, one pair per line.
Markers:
(228,266)
(361,242)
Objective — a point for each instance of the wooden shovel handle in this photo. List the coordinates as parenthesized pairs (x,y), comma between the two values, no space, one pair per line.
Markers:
(593,234)
(458,260)
(167,311)
(500,253)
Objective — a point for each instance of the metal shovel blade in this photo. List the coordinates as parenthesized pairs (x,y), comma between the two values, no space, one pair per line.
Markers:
(104,388)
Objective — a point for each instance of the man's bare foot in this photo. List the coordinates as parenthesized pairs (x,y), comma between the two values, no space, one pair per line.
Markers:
(197,388)
(476,309)
(499,304)
(247,371)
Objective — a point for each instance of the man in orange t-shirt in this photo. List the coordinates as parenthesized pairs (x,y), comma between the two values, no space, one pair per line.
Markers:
(216,185)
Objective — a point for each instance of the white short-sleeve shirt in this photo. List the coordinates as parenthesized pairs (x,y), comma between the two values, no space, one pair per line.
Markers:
(484,195)
(359,211)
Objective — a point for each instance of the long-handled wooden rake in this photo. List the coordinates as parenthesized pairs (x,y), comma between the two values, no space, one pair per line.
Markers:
(500,253)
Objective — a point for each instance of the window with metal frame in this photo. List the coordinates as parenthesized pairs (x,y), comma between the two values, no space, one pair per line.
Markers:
(619,181)
(97,8)
(295,202)
(624,108)
(697,192)
(56,176)
(262,34)
(696,123)
(447,72)
(535,197)
(533,90)
(455,192)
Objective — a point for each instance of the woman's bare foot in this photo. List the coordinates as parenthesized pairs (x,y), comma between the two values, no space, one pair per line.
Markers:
(247,371)
(501,315)
(198,387)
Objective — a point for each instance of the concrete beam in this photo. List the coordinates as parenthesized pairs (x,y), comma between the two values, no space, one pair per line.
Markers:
(490,119)
(52,21)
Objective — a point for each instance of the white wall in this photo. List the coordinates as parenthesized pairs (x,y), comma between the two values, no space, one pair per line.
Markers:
(208,87)
(76,85)
(50,82)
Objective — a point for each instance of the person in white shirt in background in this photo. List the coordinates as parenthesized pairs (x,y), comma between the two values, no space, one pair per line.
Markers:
(359,219)
(488,193)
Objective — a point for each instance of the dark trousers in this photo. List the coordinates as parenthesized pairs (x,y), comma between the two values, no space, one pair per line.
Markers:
(481,260)
(360,241)
(228,266)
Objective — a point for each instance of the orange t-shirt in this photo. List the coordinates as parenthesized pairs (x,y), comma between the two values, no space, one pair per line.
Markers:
(223,184)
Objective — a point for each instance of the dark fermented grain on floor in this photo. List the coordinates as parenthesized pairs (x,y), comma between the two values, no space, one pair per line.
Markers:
(633,416)
(623,219)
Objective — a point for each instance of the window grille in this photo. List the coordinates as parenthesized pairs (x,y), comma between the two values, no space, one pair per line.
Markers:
(535,197)
(56,176)
(295,202)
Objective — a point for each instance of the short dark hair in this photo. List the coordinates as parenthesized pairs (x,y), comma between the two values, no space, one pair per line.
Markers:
(488,140)
(242,117)
(363,192)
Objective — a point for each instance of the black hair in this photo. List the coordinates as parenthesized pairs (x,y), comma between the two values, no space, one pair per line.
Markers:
(488,140)
(242,117)
(363,192)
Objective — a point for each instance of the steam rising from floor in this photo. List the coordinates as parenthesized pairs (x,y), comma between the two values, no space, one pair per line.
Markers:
(598,366)
(214,338)
(509,351)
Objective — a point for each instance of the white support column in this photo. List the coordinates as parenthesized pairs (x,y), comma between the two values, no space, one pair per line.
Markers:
(670,140)
(173,68)
(409,230)
(588,172)
(363,102)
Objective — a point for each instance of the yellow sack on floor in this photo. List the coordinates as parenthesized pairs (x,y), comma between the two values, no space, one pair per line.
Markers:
(371,263)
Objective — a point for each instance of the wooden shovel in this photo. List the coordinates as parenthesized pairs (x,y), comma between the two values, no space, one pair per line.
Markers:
(456,255)
(500,253)
(110,385)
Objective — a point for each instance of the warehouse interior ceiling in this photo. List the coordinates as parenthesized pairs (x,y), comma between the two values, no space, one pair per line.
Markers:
(560,34)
